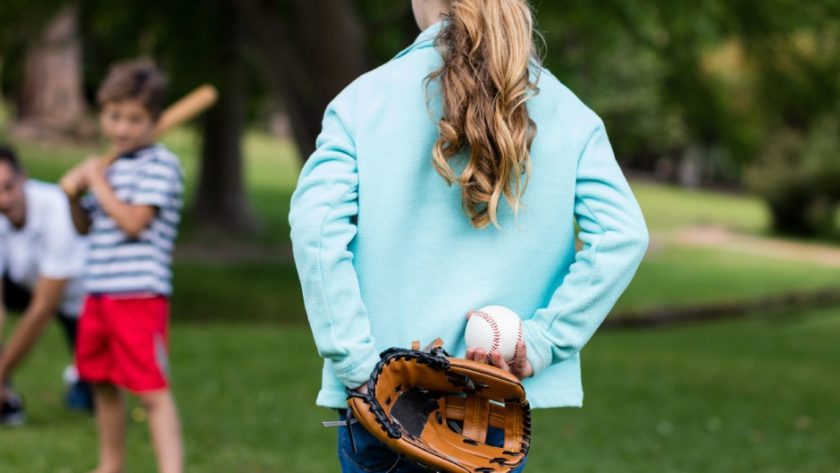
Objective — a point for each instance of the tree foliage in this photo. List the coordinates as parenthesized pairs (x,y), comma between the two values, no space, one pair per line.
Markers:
(725,83)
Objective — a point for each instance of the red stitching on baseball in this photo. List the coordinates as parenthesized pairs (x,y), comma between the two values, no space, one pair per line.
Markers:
(497,337)
(518,339)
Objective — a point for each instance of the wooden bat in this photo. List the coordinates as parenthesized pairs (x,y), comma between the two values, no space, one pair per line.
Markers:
(179,112)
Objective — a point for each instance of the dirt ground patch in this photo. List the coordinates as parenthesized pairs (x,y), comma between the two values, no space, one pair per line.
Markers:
(719,237)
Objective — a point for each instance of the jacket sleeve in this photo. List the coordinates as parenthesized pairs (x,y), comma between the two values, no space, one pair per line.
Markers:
(322,218)
(615,239)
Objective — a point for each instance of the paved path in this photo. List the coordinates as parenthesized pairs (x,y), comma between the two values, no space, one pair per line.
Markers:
(717,237)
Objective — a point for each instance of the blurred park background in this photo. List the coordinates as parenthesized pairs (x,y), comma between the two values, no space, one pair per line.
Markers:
(723,355)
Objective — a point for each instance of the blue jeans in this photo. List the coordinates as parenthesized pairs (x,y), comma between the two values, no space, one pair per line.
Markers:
(373,456)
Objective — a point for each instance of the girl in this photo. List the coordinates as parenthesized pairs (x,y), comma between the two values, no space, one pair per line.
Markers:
(451,178)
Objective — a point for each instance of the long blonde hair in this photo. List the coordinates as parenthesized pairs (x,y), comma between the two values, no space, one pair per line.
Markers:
(488,51)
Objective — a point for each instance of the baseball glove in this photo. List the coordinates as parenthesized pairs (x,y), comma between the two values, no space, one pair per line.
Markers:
(435,411)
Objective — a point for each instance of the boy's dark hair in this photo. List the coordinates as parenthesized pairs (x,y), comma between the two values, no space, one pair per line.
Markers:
(8,156)
(138,79)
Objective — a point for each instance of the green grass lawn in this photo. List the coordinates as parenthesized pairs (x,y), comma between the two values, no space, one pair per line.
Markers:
(689,276)
(757,394)
(238,292)
(669,208)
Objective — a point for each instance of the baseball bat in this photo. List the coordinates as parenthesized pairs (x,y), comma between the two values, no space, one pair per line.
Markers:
(179,112)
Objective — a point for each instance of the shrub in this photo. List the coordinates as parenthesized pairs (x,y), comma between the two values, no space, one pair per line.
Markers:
(798,176)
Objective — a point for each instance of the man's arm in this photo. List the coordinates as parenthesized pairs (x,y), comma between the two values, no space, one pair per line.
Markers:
(2,318)
(2,296)
(45,299)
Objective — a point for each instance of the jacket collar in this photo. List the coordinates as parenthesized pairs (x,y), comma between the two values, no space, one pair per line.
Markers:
(425,38)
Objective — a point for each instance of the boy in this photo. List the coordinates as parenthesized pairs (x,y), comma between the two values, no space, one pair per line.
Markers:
(41,262)
(131,212)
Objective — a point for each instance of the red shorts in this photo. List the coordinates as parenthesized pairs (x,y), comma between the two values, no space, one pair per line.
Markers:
(124,341)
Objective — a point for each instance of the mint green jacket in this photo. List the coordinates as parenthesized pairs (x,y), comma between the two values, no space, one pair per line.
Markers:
(386,255)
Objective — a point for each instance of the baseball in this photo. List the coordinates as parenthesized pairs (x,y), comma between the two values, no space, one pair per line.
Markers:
(494,328)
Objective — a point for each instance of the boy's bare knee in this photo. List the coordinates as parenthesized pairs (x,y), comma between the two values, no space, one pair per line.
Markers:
(108,391)
(153,400)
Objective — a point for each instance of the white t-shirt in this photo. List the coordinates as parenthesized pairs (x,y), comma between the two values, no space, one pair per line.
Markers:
(47,246)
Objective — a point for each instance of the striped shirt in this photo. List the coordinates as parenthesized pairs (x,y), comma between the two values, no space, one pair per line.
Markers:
(118,263)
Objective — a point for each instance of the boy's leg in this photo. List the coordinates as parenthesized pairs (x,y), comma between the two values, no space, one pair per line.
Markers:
(165,430)
(140,333)
(111,423)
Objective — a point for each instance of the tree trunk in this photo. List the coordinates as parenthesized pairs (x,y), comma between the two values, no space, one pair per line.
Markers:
(221,201)
(50,102)
(309,67)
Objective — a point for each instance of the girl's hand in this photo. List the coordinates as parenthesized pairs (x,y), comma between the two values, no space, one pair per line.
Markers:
(519,366)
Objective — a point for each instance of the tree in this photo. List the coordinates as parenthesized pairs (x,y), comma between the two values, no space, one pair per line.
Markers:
(307,67)
(50,101)
(793,62)
(221,196)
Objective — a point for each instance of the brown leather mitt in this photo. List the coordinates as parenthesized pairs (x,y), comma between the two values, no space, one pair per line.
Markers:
(435,411)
